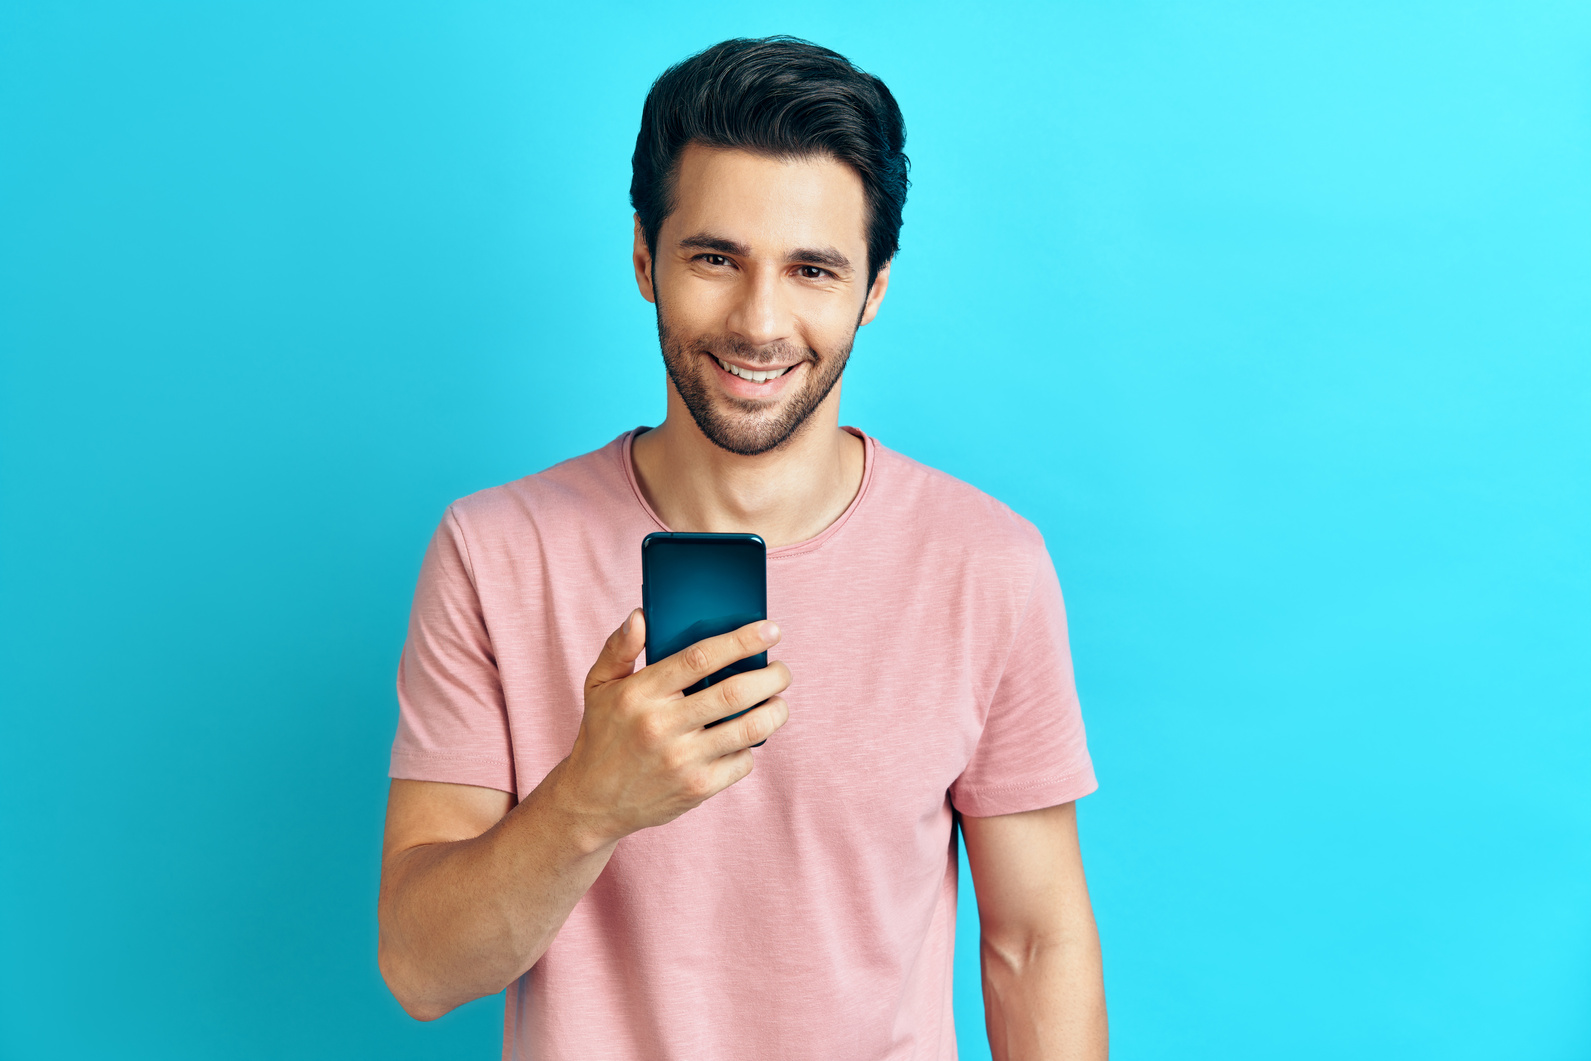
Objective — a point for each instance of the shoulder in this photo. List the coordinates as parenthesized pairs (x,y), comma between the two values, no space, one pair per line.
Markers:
(942,510)
(572,490)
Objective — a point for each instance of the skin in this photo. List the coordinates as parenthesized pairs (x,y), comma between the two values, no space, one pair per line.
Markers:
(1043,984)
(763,262)
(775,254)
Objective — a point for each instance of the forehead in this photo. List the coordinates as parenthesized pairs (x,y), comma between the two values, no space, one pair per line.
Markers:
(768,203)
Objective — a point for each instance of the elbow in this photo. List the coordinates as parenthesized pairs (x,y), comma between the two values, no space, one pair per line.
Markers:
(1007,954)
(421,1012)
(400,981)
(1016,952)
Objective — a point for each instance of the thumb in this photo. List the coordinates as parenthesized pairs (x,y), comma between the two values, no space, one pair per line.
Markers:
(620,651)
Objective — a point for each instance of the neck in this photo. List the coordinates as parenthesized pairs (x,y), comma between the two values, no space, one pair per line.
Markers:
(786,495)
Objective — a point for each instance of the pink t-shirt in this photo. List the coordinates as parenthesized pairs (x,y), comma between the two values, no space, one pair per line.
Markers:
(809,910)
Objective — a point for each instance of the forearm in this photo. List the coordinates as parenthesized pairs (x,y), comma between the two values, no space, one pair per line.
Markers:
(1044,1000)
(464,919)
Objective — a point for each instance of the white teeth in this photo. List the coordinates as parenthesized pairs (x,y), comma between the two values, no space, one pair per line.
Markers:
(746,373)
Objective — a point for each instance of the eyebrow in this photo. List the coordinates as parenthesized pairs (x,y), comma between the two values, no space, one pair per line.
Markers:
(702,241)
(825,256)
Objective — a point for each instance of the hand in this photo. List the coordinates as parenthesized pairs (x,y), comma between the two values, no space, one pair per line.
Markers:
(643,755)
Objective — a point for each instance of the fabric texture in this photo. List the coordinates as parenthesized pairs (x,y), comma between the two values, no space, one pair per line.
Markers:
(809,910)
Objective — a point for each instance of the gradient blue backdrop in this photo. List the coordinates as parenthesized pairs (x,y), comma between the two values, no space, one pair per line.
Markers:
(1275,318)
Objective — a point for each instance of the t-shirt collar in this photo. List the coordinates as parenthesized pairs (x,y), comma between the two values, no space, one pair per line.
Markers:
(869,462)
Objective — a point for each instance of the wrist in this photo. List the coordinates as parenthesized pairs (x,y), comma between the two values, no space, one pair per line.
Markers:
(585,826)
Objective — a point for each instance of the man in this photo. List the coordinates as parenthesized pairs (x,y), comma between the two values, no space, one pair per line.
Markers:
(647,887)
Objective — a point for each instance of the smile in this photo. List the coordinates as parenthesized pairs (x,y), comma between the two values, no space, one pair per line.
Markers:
(755,377)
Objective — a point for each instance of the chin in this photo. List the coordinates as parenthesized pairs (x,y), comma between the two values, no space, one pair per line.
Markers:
(747,427)
(745,436)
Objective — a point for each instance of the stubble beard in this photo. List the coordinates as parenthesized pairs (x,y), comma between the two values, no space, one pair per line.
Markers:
(743,425)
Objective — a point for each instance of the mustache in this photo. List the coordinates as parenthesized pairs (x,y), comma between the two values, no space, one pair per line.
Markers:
(777,353)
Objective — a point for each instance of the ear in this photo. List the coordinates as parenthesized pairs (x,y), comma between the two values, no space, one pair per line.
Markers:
(875,294)
(641,257)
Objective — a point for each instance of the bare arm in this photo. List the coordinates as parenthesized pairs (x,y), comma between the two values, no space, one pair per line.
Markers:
(1043,988)
(473,892)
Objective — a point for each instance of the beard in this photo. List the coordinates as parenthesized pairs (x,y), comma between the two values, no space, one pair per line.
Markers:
(744,425)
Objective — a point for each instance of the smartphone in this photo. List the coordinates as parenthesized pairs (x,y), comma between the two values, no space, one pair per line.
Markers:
(695,586)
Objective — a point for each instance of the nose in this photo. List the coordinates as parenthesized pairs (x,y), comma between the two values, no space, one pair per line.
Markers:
(759,314)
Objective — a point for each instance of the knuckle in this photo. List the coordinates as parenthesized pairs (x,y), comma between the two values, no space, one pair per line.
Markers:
(752,728)
(731,691)
(773,716)
(696,658)
(649,727)
(673,761)
(697,786)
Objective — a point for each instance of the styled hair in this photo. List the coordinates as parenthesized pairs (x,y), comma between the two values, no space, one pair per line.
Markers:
(777,96)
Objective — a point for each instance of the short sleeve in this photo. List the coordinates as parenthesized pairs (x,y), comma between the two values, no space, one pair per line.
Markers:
(1032,752)
(452,721)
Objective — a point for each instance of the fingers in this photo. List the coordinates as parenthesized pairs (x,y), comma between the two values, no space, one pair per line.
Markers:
(689,666)
(754,727)
(730,768)
(620,651)
(733,694)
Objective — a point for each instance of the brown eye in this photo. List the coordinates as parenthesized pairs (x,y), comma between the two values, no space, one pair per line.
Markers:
(812,272)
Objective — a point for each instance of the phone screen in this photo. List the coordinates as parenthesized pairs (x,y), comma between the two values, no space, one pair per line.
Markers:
(695,586)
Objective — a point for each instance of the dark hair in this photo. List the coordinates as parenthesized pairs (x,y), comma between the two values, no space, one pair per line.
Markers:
(778,96)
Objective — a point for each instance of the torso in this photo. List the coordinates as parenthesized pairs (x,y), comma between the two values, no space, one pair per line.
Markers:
(817,895)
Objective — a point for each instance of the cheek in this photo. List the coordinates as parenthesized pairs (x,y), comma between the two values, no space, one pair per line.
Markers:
(692,304)
(829,324)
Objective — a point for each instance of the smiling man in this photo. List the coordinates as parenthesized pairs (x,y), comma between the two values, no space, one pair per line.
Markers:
(647,887)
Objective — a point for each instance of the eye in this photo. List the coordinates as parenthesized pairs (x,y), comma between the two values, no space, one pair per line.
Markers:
(713,259)
(813,272)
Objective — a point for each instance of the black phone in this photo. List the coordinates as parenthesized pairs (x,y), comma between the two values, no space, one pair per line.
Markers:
(695,586)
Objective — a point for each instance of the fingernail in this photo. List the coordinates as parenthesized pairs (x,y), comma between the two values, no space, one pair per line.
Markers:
(769,630)
(628,619)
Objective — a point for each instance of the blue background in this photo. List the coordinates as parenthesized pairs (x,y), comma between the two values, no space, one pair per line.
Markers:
(1276,319)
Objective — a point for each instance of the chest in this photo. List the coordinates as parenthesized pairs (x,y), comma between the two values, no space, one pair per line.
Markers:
(889,673)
